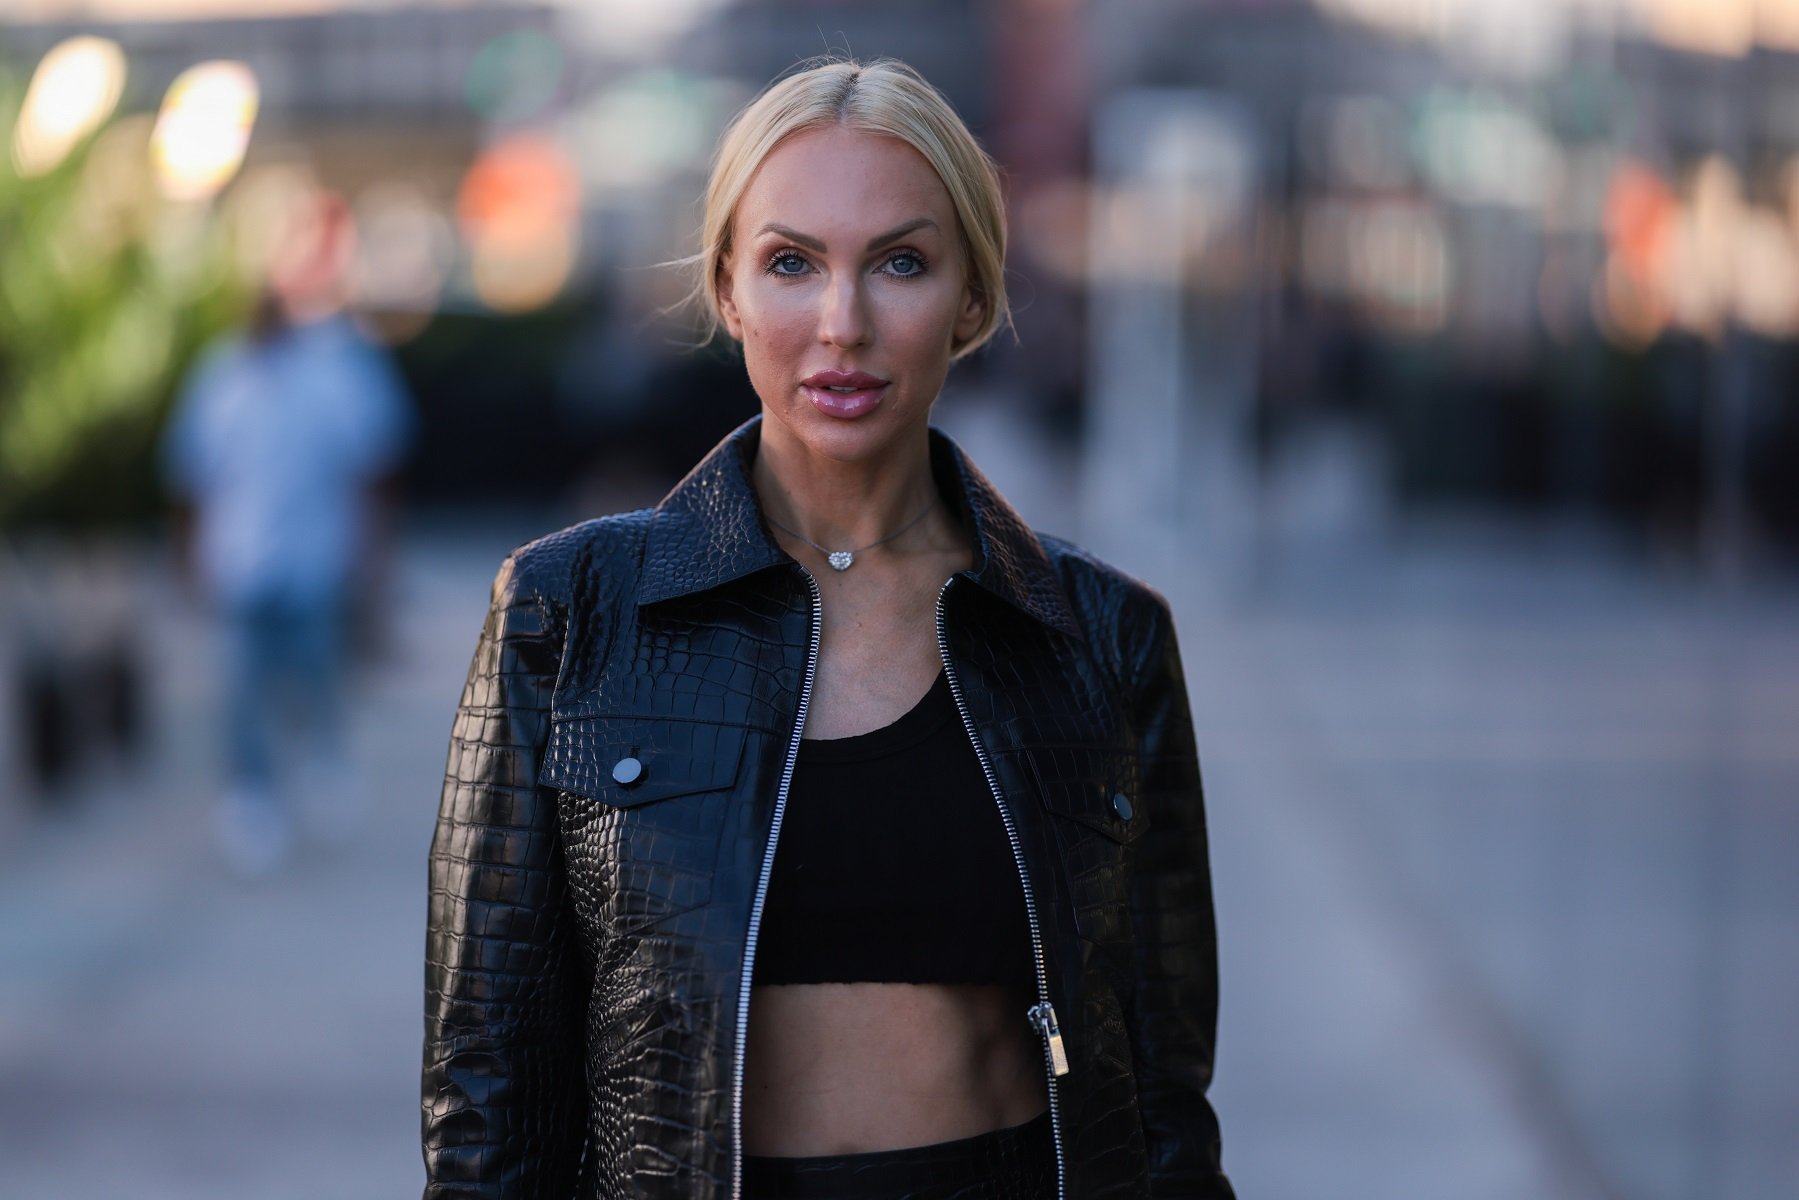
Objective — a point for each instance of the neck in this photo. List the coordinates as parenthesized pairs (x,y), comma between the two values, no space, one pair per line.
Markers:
(842,505)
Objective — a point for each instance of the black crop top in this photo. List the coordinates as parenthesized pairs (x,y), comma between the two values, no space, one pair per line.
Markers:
(893,862)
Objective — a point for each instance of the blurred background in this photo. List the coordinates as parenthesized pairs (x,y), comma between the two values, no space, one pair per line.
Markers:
(1436,357)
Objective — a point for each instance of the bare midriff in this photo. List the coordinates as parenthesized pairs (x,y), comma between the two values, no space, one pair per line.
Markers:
(847,1068)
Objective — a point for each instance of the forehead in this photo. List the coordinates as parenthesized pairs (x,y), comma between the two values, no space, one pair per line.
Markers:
(843,180)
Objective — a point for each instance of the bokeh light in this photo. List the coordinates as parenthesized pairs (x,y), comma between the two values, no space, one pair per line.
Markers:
(518,210)
(514,76)
(204,128)
(1481,150)
(1767,276)
(1629,299)
(1703,261)
(256,211)
(74,90)
(643,129)
(406,246)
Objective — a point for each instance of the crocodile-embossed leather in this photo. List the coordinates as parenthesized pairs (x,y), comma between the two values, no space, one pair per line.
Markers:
(610,792)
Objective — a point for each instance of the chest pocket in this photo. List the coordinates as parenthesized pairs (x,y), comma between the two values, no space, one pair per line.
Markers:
(1091,794)
(643,809)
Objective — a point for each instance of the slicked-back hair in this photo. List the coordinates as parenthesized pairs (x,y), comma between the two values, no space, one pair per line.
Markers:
(883,96)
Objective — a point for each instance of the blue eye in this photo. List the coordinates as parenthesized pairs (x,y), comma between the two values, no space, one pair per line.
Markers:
(917,267)
(773,266)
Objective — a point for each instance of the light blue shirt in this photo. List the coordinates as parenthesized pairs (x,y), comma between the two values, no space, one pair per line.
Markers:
(275,443)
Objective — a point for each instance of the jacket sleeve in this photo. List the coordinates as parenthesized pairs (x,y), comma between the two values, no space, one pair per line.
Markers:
(502,1088)
(1172,1015)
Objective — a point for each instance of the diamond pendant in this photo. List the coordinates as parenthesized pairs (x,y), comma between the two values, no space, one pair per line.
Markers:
(840,560)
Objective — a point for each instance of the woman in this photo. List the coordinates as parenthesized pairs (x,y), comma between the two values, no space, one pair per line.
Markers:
(823,831)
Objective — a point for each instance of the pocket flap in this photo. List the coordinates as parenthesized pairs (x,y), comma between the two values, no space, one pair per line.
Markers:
(1093,785)
(628,761)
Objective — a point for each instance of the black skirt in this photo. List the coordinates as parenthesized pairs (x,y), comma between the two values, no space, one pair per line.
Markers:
(1015,1163)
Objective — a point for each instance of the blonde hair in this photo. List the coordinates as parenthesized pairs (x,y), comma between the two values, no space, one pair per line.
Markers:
(882,96)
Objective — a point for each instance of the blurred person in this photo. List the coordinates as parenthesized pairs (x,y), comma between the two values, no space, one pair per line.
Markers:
(823,830)
(281,454)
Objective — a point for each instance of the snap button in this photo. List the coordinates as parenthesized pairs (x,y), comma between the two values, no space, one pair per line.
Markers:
(1121,804)
(627,771)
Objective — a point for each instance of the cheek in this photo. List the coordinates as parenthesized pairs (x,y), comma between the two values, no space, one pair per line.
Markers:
(922,320)
(774,341)
(770,332)
(768,315)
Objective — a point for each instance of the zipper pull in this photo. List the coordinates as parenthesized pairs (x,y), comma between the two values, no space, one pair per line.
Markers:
(1043,1016)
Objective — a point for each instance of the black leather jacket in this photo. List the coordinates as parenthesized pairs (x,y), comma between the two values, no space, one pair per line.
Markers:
(616,776)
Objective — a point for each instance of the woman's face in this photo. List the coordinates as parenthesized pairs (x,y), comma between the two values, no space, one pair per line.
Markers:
(847,288)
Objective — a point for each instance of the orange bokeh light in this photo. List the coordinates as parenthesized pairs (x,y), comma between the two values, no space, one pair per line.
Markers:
(516,188)
(519,208)
(1639,217)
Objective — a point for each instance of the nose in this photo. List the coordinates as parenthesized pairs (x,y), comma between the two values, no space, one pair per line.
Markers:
(843,319)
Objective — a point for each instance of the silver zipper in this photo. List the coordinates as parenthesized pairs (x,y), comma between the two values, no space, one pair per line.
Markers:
(1041,1015)
(768,866)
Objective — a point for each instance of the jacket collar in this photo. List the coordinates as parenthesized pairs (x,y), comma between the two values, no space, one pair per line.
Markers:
(709,531)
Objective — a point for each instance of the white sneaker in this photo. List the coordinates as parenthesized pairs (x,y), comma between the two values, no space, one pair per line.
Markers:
(253,832)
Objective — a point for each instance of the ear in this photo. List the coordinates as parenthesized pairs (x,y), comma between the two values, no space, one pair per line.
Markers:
(973,312)
(727,301)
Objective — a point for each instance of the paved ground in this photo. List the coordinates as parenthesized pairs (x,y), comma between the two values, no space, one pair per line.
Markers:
(1502,831)
(1556,812)
(167,1031)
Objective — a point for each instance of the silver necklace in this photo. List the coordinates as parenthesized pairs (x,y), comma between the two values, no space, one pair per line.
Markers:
(843,560)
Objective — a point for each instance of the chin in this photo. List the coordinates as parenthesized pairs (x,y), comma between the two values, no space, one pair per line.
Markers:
(848,441)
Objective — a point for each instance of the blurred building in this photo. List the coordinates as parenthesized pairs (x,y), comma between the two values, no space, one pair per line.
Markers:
(1545,252)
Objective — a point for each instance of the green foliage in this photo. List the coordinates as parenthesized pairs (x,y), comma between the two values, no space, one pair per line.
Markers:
(106,292)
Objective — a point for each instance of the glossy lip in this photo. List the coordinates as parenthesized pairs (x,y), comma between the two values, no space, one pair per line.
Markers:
(844,405)
(849,379)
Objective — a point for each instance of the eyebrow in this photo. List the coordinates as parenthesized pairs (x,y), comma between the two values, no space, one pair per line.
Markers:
(874,243)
